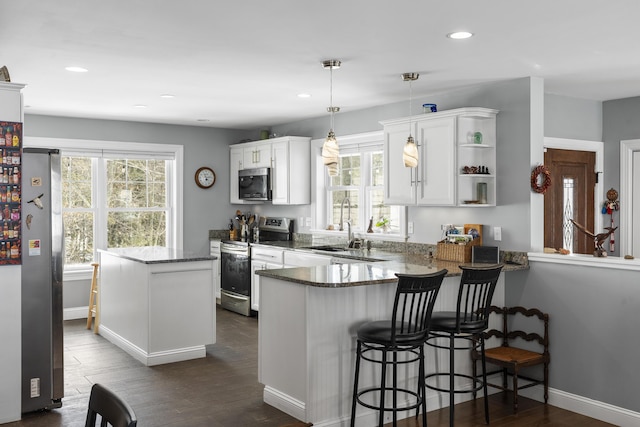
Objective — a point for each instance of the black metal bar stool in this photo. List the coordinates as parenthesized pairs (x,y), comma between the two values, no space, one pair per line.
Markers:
(470,319)
(405,332)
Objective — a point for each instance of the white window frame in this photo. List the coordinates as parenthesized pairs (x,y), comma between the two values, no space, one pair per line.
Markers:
(319,205)
(121,149)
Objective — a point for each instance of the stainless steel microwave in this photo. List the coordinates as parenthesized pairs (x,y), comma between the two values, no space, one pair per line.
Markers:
(254,184)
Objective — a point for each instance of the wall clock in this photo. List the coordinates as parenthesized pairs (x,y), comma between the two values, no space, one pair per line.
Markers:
(205,177)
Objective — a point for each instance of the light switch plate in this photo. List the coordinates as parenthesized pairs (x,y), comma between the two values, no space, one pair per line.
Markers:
(497,233)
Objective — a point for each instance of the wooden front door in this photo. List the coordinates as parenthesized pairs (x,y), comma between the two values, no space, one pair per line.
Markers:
(571,196)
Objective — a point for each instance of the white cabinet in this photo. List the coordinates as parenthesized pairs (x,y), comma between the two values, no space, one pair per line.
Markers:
(476,148)
(446,143)
(291,174)
(257,155)
(432,183)
(301,259)
(235,164)
(246,156)
(215,251)
(262,258)
(289,158)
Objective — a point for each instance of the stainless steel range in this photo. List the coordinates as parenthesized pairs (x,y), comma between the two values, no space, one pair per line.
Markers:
(235,278)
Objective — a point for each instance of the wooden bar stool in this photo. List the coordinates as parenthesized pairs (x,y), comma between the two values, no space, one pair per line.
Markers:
(93,300)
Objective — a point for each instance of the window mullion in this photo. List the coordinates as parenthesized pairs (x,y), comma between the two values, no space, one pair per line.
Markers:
(100,191)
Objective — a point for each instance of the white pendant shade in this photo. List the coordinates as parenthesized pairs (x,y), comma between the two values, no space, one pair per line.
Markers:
(410,153)
(330,151)
(410,150)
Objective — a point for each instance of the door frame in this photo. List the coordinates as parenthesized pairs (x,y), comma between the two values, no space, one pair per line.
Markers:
(537,209)
(627,150)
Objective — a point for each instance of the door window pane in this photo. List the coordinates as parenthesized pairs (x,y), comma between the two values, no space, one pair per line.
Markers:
(568,213)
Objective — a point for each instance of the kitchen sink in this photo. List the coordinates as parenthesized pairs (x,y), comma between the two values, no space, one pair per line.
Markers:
(327,248)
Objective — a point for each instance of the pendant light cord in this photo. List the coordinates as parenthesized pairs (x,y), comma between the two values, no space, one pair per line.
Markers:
(331,93)
(410,102)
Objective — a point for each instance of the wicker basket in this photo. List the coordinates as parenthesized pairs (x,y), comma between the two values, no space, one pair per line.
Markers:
(455,252)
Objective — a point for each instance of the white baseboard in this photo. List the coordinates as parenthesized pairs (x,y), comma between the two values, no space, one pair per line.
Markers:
(156,358)
(585,406)
(284,402)
(75,313)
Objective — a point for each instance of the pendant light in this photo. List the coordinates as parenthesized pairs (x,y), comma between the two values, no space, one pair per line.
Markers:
(410,151)
(330,149)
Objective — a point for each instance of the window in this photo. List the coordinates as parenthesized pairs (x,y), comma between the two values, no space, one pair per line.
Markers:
(78,209)
(122,195)
(357,192)
(136,208)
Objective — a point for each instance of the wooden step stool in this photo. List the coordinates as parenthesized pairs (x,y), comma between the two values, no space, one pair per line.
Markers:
(93,300)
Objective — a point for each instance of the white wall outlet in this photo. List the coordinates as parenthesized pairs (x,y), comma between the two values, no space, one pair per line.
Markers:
(35,387)
(301,222)
(497,233)
(308,221)
(410,227)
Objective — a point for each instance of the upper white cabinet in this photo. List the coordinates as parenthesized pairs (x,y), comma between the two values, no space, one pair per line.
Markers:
(257,155)
(289,158)
(476,146)
(447,141)
(291,173)
(235,164)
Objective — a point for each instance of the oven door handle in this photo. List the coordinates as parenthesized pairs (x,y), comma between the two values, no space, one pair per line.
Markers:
(232,296)
(235,250)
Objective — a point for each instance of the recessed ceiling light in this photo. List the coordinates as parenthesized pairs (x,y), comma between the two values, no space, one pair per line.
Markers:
(167,95)
(202,120)
(139,106)
(460,35)
(304,95)
(76,69)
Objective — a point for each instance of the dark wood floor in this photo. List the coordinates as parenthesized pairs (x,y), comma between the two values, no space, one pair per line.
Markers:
(222,390)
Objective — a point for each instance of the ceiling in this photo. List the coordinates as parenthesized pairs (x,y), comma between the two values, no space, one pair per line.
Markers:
(241,64)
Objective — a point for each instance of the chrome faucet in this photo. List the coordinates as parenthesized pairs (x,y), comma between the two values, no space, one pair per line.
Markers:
(349,235)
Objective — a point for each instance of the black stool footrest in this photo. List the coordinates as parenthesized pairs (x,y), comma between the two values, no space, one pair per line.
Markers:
(398,390)
(477,383)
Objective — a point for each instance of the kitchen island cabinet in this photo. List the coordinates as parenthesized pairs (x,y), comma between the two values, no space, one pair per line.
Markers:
(308,322)
(157,304)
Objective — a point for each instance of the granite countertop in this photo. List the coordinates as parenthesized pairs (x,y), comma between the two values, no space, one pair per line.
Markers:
(377,266)
(157,255)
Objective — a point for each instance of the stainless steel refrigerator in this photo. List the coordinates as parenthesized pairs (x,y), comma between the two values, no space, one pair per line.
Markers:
(42,262)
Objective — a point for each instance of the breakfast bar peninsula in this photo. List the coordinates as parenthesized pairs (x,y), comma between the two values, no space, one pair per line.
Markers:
(308,322)
(156,303)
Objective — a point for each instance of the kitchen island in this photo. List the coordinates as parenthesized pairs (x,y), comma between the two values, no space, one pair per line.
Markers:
(156,303)
(308,322)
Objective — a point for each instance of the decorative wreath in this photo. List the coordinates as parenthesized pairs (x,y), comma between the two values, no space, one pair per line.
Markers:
(546,179)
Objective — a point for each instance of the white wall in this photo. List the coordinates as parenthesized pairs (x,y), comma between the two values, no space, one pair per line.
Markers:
(11,339)
(10,294)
